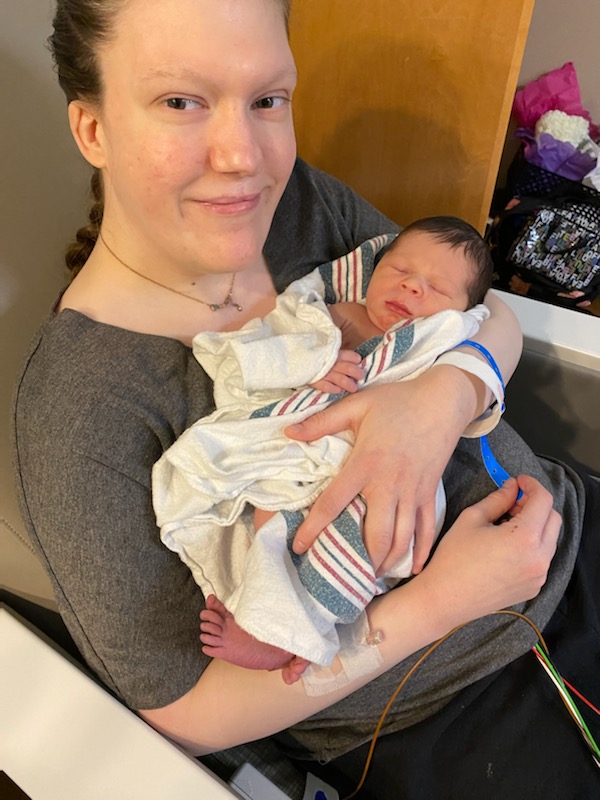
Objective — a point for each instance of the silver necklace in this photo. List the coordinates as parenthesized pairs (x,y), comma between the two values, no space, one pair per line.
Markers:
(228,301)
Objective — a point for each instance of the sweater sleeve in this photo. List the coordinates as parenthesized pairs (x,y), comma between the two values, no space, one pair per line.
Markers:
(86,434)
(318,219)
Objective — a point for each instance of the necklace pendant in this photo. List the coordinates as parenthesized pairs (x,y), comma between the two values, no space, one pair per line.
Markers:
(236,306)
(215,306)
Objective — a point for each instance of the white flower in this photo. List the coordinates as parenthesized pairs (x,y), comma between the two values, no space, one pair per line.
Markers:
(564,127)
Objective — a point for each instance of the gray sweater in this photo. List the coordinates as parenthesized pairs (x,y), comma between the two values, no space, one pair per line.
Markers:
(96,406)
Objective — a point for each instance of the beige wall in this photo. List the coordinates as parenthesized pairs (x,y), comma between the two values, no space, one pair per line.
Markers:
(42,200)
(562,31)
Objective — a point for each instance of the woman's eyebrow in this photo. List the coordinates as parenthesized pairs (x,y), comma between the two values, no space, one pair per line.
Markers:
(182,73)
(166,73)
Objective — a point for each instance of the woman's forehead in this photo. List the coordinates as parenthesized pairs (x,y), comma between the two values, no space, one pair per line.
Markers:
(160,37)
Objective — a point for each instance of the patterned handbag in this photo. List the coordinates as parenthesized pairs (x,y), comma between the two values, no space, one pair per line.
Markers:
(546,244)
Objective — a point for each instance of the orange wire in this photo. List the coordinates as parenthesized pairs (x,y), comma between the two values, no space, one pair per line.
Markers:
(412,670)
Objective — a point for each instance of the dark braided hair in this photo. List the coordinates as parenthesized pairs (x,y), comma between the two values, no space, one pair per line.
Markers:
(80,28)
(85,238)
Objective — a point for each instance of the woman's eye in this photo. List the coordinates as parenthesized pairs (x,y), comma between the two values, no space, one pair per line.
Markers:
(182,103)
(270,102)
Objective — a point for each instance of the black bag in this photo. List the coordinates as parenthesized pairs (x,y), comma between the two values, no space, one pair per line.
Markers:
(547,245)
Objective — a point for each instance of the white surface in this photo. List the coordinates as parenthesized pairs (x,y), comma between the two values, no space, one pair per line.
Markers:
(317,789)
(62,737)
(559,332)
(252,785)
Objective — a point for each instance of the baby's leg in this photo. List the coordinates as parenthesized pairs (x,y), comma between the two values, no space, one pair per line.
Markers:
(261,517)
(223,638)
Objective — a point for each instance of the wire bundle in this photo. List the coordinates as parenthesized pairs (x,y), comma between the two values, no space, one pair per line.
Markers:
(561,686)
(540,650)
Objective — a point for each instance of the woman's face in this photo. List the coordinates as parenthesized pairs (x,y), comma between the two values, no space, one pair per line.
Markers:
(195,134)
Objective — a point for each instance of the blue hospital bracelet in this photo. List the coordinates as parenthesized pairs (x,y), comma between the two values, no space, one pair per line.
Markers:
(486,354)
(488,357)
(495,470)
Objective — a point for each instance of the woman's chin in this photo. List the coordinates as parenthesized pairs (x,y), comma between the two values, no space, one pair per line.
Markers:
(228,253)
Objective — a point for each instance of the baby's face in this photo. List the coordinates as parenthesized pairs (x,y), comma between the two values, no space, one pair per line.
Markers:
(417,278)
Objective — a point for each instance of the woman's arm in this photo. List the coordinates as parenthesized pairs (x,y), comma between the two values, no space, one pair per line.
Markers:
(501,335)
(478,568)
(405,434)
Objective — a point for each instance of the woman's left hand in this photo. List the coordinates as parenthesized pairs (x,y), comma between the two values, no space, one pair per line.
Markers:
(405,434)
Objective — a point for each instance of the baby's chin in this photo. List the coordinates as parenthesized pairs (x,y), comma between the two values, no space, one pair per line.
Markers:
(384,323)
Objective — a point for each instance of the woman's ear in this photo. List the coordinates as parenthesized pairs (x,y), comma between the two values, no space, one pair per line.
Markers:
(86,128)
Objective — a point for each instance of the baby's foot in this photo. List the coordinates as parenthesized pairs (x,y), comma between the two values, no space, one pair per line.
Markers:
(294,669)
(223,638)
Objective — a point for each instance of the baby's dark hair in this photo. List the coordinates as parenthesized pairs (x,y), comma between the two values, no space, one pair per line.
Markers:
(459,234)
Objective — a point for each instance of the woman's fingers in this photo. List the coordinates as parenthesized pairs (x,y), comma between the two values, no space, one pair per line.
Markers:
(402,444)
(534,495)
(398,488)
(424,534)
(329,505)
(371,471)
(335,497)
(533,532)
(333,419)
(535,516)
(379,533)
(480,566)
(496,504)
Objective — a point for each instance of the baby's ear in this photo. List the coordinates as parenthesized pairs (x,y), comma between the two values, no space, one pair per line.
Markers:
(88,132)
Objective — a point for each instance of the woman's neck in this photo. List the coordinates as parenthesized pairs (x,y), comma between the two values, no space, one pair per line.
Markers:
(108,291)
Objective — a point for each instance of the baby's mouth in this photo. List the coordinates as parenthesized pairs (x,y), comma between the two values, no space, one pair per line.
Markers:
(398,308)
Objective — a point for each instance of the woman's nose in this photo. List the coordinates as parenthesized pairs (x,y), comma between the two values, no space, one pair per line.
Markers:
(233,145)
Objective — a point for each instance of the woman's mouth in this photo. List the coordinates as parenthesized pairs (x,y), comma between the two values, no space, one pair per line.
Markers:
(230,205)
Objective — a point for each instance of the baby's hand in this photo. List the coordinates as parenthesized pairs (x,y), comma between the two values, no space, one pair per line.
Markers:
(343,376)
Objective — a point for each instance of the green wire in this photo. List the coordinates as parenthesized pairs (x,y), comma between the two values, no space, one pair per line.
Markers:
(579,719)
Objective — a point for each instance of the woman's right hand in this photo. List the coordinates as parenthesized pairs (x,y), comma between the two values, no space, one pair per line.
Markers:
(482,566)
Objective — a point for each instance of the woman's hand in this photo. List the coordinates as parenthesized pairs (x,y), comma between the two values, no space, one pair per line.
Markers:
(480,566)
(405,434)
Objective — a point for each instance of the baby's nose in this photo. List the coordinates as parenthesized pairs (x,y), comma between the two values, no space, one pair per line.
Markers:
(414,283)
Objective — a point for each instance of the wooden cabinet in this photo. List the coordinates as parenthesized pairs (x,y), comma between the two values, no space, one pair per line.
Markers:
(408,101)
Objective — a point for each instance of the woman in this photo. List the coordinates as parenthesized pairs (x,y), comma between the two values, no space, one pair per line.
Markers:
(183,109)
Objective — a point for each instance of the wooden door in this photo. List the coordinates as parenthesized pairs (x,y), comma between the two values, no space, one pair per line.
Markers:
(408,101)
